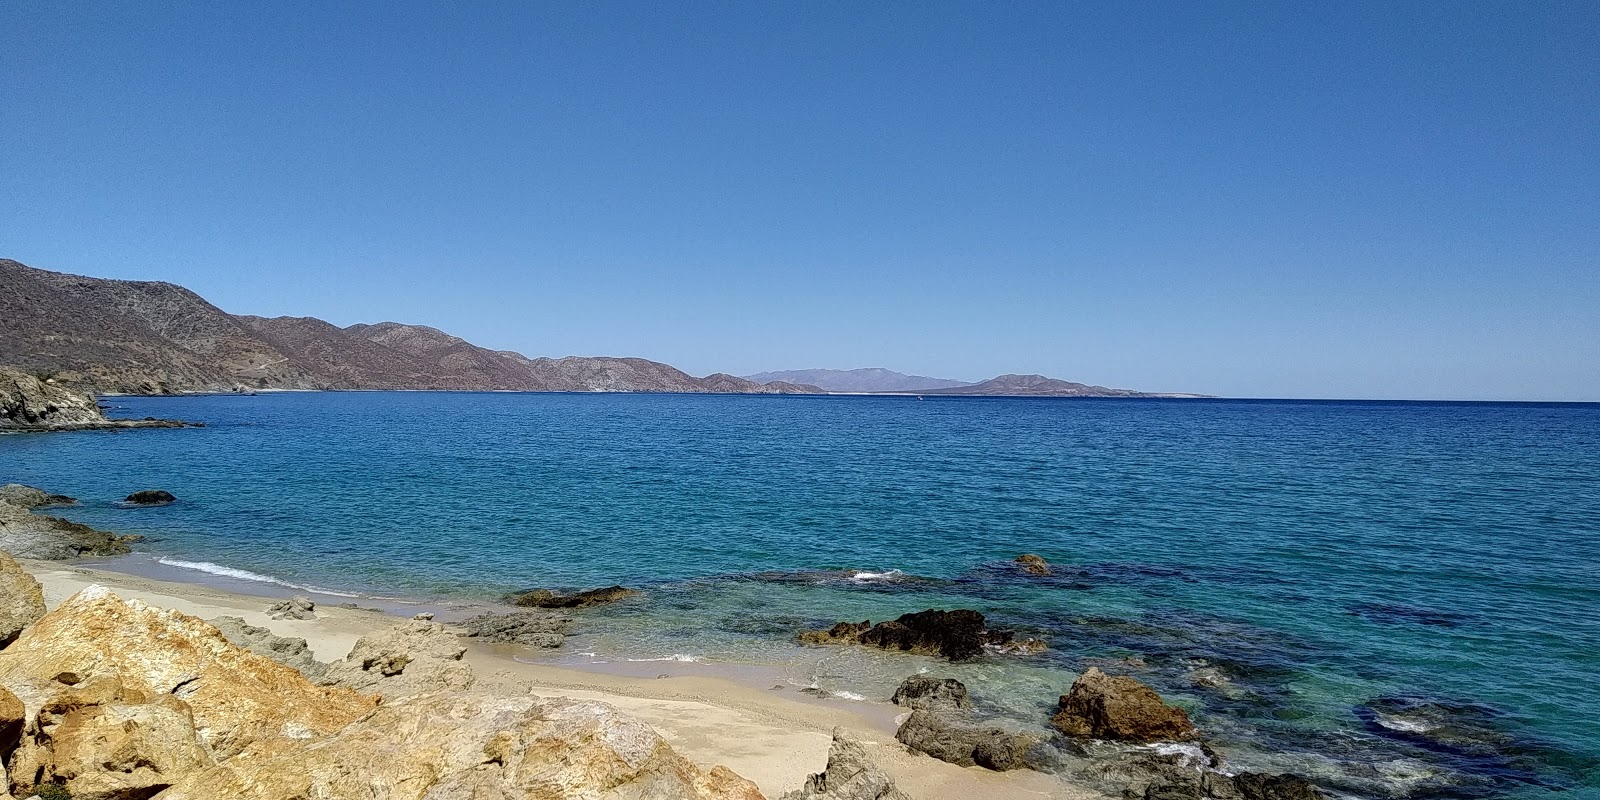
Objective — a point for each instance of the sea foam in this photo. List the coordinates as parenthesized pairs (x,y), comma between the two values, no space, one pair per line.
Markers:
(246,575)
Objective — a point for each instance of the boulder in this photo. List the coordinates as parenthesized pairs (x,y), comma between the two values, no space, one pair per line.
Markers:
(296,607)
(1033,565)
(21,599)
(288,651)
(957,635)
(29,497)
(544,598)
(237,698)
(933,694)
(849,775)
(527,628)
(470,746)
(13,714)
(113,750)
(25,534)
(150,497)
(415,656)
(1256,786)
(958,739)
(841,633)
(1117,707)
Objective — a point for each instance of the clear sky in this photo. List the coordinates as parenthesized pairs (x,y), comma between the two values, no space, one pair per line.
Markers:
(1269,199)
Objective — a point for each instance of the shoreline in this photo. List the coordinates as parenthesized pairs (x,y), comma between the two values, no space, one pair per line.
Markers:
(773,737)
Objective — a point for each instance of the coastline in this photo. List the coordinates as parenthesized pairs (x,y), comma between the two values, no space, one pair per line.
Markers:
(774,738)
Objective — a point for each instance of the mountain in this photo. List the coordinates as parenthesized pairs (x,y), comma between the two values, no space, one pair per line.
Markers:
(1036,386)
(146,337)
(870,379)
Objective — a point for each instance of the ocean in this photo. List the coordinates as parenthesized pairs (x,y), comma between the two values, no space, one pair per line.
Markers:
(1396,599)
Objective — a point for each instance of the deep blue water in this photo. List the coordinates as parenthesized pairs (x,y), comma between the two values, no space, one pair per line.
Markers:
(1335,563)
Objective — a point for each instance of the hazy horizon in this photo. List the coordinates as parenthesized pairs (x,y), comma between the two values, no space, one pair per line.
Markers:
(1297,201)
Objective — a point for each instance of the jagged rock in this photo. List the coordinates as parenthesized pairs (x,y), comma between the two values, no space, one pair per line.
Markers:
(958,739)
(150,497)
(114,750)
(525,628)
(471,746)
(957,635)
(1256,786)
(933,694)
(289,651)
(294,608)
(411,657)
(849,775)
(29,497)
(12,717)
(238,698)
(25,534)
(21,599)
(1181,773)
(544,598)
(31,403)
(1117,707)
(1033,565)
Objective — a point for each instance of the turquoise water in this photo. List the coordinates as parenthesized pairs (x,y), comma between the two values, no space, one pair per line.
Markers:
(1402,599)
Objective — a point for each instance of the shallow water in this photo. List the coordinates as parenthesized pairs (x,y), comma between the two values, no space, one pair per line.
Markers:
(1401,598)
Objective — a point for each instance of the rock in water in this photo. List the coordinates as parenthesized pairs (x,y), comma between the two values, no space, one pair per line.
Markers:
(294,608)
(1033,565)
(957,635)
(408,658)
(469,746)
(842,633)
(850,775)
(25,534)
(288,651)
(530,629)
(1117,707)
(1255,786)
(21,599)
(933,694)
(150,497)
(958,739)
(31,403)
(544,598)
(29,497)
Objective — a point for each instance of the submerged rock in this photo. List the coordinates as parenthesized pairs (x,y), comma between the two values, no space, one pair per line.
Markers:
(468,746)
(1120,708)
(21,599)
(150,497)
(957,738)
(957,635)
(1033,565)
(526,628)
(26,534)
(296,607)
(1256,786)
(544,598)
(933,694)
(849,775)
(29,497)
(412,657)
(286,650)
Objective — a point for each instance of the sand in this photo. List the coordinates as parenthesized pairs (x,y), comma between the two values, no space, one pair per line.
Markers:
(774,738)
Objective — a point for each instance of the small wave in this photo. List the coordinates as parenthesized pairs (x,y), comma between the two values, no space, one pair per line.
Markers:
(851,696)
(1401,724)
(674,657)
(867,577)
(246,575)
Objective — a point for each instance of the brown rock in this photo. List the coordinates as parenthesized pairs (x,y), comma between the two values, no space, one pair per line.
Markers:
(119,750)
(237,698)
(842,633)
(411,657)
(471,746)
(12,717)
(959,739)
(29,497)
(544,598)
(1033,565)
(1117,707)
(21,599)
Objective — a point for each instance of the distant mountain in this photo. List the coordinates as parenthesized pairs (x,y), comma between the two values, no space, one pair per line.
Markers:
(142,337)
(1035,386)
(870,379)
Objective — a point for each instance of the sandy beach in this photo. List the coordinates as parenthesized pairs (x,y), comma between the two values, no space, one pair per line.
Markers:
(773,737)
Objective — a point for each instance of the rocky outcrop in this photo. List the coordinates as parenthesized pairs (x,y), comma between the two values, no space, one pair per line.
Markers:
(21,599)
(957,635)
(1117,707)
(29,497)
(932,694)
(29,402)
(545,598)
(26,534)
(296,607)
(286,650)
(469,747)
(150,497)
(1257,786)
(1033,565)
(411,657)
(527,628)
(850,775)
(959,739)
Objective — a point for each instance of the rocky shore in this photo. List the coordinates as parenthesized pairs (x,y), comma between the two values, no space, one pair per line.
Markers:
(31,402)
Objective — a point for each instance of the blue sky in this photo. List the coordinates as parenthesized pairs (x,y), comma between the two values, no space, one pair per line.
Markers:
(1270,200)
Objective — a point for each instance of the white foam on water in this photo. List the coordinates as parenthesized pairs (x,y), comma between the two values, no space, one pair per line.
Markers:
(867,577)
(674,657)
(246,575)
(1402,725)
(850,696)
